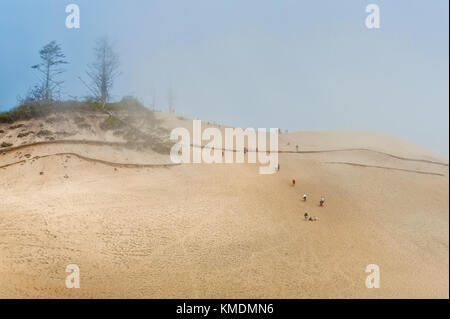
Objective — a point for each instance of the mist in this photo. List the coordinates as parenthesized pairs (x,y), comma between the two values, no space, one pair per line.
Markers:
(296,65)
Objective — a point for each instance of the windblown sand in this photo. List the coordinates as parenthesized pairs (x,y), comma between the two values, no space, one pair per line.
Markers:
(223,230)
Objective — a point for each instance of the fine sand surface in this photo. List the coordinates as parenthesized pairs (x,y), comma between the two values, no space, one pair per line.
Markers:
(223,230)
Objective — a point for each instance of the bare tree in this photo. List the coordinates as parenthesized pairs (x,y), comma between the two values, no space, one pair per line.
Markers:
(52,57)
(103,71)
(170,98)
(154,100)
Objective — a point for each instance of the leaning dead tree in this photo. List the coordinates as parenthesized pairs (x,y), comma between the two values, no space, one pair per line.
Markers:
(103,71)
(52,57)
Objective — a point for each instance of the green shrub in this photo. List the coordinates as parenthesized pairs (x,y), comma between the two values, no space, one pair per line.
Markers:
(111,123)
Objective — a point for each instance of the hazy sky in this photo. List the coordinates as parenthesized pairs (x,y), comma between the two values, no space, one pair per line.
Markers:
(297,65)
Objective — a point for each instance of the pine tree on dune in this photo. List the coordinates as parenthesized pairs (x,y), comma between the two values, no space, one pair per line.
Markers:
(52,58)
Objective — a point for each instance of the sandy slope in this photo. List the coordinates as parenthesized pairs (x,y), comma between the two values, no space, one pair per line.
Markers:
(223,230)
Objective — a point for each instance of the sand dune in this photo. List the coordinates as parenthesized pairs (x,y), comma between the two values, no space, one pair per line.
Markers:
(223,230)
(337,140)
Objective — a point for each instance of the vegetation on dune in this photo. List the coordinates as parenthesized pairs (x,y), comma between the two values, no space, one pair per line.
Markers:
(111,123)
(25,134)
(44,133)
(127,118)
(37,109)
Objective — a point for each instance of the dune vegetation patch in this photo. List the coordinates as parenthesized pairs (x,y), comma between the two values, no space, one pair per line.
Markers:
(44,133)
(127,119)
(13,127)
(111,123)
(24,134)
(54,109)
(5,144)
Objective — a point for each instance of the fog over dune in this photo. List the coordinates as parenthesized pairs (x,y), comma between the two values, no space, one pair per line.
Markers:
(289,64)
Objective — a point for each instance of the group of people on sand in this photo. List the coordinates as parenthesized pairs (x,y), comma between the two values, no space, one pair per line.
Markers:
(311,218)
(321,201)
(307,216)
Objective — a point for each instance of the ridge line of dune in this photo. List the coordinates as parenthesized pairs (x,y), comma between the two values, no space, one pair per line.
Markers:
(88,142)
(375,151)
(344,150)
(384,167)
(11,164)
(95,160)
(125,144)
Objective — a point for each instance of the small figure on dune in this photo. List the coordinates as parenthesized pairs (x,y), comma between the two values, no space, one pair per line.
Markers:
(306,216)
(304,197)
(322,201)
(293,182)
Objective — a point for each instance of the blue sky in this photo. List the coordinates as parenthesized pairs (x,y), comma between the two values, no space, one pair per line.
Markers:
(297,65)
